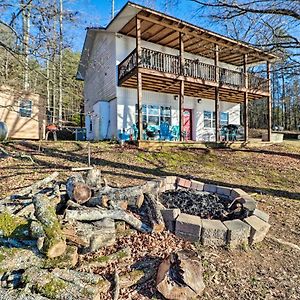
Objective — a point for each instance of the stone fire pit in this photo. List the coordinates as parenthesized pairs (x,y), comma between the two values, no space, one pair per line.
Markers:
(232,219)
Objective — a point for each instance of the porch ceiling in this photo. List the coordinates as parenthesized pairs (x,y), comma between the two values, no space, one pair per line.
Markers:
(172,86)
(164,30)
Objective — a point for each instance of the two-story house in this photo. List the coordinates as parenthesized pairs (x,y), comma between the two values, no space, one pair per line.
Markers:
(147,68)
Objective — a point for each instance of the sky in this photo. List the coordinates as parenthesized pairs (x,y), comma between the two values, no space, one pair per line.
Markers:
(98,13)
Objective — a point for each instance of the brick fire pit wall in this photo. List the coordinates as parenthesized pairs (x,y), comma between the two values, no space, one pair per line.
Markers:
(232,233)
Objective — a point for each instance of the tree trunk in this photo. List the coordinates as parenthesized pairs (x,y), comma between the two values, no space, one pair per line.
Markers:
(60,58)
(26,27)
(55,242)
(77,189)
(95,214)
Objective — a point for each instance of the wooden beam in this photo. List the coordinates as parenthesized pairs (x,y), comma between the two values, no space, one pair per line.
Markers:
(203,35)
(181,95)
(139,78)
(217,95)
(269,101)
(246,106)
(157,33)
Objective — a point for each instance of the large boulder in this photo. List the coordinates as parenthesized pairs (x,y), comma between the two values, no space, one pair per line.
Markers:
(180,276)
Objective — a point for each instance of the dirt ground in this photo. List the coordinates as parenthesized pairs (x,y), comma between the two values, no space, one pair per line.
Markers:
(271,174)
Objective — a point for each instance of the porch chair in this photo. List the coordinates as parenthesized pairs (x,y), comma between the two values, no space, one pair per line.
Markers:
(164,132)
(135,132)
(175,133)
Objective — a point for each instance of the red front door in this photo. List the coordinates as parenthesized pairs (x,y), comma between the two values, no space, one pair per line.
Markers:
(187,124)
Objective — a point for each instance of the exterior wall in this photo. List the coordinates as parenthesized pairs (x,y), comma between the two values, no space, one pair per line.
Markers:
(22,127)
(125,45)
(100,78)
(127,101)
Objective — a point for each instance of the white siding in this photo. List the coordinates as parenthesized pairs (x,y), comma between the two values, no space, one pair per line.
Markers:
(100,80)
(127,101)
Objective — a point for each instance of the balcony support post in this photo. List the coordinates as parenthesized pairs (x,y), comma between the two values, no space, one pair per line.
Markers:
(217,95)
(269,101)
(246,100)
(139,78)
(181,93)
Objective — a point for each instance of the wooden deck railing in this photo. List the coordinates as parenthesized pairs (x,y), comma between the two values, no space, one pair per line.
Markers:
(232,78)
(127,65)
(256,82)
(197,69)
(168,63)
(159,61)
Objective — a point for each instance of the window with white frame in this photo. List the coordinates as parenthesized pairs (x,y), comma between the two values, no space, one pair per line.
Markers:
(154,115)
(224,118)
(209,119)
(25,109)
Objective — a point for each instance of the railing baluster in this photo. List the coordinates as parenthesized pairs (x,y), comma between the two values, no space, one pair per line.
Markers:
(169,63)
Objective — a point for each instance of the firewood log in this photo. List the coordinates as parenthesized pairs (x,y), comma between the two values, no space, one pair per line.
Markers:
(32,189)
(55,242)
(77,189)
(134,277)
(153,208)
(116,198)
(104,261)
(93,179)
(94,235)
(95,214)
(64,284)
(20,259)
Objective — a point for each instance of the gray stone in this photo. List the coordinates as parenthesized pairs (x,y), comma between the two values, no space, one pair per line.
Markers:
(189,224)
(170,186)
(248,202)
(197,185)
(238,233)
(169,216)
(235,193)
(171,179)
(259,229)
(214,233)
(187,236)
(211,188)
(225,191)
(262,215)
(170,225)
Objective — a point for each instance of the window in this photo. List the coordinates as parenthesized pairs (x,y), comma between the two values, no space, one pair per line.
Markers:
(224,119)
(25,108)
(154,114)
(209,119)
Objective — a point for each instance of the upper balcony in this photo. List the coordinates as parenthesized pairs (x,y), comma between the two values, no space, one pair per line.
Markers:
(161,72)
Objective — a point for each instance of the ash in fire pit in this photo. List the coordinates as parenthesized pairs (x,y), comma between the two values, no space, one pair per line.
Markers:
(202,204)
